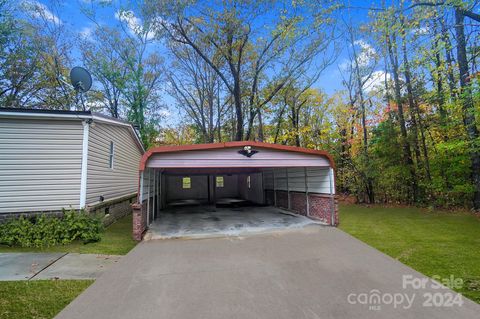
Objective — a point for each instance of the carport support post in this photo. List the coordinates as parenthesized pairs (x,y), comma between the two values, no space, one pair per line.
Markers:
(332,199)
(148,196)
(140,191)
(154,199)
(306,191)
(274,189)
(288,189)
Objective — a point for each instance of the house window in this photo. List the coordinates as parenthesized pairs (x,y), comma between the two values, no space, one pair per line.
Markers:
(186,183)
(219,181)
(112,154)
(248,181)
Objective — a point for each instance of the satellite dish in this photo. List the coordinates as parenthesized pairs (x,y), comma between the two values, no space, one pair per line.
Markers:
(80,79)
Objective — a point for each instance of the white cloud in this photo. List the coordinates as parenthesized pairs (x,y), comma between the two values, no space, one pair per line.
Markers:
(99,1)
(134,24)
(367,53)
(376,81)
(86,32)
(164,113)
(420,31)
(40,11)
(344,66)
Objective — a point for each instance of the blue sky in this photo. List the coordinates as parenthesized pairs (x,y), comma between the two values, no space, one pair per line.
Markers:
(69,14)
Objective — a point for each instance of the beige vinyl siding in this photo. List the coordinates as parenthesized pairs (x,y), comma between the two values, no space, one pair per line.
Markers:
(101,179)
(40,164)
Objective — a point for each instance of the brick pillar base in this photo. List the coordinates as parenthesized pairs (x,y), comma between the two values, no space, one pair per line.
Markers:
(139,221)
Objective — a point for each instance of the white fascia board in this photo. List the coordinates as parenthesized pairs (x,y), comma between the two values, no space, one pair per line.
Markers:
(45,115)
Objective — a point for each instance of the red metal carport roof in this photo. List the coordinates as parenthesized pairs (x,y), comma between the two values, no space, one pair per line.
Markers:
(195,147)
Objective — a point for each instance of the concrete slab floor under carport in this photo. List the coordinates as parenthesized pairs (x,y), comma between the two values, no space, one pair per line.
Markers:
(302,273)
(204,221)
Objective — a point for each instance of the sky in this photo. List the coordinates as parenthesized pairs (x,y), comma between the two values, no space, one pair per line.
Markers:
(69,14)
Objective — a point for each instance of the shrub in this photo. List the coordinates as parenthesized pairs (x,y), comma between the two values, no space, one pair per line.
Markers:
(43,230)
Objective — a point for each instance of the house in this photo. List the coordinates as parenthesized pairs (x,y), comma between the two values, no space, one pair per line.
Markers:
(295,179)
(50,160)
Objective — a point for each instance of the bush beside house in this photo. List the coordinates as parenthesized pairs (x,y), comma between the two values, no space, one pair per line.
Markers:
(44,230)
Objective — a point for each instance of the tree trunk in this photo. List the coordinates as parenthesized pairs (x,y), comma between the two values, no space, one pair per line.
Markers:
(407,157)
(448,59)
(237,97)
(260,126)
(411,102)
(467,104)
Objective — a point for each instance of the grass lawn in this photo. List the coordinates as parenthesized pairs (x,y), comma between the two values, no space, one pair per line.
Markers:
(45,298)
(433,243)
(38,298)
(116,240)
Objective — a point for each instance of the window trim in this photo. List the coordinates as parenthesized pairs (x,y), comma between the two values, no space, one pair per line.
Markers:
(219,185)
(111,156)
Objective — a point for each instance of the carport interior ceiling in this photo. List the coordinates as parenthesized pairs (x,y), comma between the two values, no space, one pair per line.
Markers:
(298,180)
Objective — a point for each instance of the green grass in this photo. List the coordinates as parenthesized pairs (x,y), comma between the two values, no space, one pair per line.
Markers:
(45,298)
(116,240)
(38,299)
(433,243)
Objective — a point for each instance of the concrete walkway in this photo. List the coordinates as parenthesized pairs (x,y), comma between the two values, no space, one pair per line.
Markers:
(35,266)
(314,272)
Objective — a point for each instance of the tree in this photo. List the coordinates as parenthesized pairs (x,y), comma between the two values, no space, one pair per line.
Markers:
(229,38)
(129,74)
(198,92)
(102,59)
(35,55)
(467,103)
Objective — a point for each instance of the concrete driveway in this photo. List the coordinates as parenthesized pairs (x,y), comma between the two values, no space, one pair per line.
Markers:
(314,272)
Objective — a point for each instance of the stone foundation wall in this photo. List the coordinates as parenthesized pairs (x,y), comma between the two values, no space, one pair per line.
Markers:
(139,216)
(111,210)
(6,217)
(114,209)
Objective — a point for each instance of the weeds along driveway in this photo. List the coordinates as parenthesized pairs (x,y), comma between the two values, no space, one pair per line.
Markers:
(315,272)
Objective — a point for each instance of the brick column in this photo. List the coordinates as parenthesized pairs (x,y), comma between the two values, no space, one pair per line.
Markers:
(139,220)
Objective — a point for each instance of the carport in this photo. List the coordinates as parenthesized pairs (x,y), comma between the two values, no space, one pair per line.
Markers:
(242,183)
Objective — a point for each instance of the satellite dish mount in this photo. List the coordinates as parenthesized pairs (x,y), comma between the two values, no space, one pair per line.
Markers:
(82,82)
